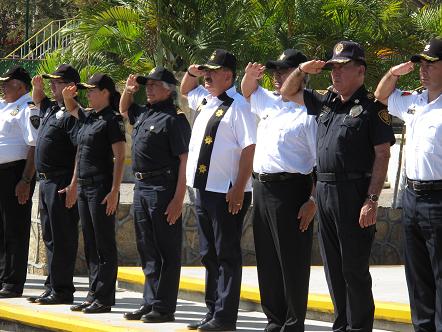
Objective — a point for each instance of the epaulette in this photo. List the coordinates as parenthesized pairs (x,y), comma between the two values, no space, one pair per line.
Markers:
(88,109)
(31,105)
(179,111)
(420,89)
(322,92)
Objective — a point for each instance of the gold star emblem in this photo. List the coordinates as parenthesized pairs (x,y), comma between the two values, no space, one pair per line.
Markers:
(208,140)
(202,168)
(219,113)
(15,112)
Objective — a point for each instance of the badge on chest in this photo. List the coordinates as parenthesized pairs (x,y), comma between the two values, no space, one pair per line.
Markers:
(356,110)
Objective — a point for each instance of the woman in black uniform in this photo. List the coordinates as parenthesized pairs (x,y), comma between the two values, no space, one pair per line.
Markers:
(101,138)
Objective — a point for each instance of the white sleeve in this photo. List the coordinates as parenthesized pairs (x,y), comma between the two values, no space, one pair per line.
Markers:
(398,103)
(258,100)
(29,123)
(244,124)
(311,131)
(195,97)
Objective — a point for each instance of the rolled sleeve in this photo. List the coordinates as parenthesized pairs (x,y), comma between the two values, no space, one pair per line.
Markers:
(398,103)
(29,131)
(259,99)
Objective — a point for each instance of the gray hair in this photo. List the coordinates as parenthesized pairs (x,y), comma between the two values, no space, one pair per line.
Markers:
(173,91)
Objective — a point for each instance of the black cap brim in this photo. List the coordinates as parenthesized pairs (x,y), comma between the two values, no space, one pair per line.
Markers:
(51,76)
(418,57)
(4,79)
(84,86)
(209,66)
(277,64)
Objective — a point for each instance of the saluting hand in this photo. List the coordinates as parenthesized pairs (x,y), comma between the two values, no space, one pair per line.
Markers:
(402,69)
(368,214)
(70,92)
(22,191)
(255,70)
(37,83)
(131,84)
(312,66)
(173,211)
(193,69)
(71,195)
(306,214)
(111,201)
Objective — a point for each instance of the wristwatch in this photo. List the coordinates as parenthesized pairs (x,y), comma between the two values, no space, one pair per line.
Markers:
(373,197)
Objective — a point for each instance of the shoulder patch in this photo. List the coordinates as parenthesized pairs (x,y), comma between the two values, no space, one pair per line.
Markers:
(35,121)
(370,96)
(406,93)
(385,116)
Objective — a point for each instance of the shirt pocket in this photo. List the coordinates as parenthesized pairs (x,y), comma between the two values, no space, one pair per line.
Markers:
(427,138)
(350,126)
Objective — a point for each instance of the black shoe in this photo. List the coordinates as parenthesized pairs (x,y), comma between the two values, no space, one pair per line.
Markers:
(54,299)
(81,306)
(7,294)
(137,314)
(97,308)
(157,317)
(215,326)
(33,299)
(195,325)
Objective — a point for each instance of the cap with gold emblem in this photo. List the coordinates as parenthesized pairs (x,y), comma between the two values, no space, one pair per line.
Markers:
(220,58)
(99,80)
(345,51)
(66,72)
(158,74)
(432,52)
(290,58)
(16,73)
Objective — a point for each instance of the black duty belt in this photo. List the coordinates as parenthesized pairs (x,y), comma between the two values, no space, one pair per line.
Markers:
(93,179)
(275,177)
(51,175)
(151,174)
(11,164)
(424,185)
(335,177)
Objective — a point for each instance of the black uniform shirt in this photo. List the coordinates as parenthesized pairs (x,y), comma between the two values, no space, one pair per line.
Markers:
(348,132)
(98,131)
(159,136)
(57,139)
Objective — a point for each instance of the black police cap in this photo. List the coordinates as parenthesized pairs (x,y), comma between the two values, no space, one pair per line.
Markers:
(16,73)
(220,59)
(290,58)
(158,74)
(432,51)
(346,51)
(98,80)
(66,72)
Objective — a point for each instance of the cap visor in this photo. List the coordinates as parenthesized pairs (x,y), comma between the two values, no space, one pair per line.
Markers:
(422,56)
(51,76)
(329,63)
(142,80)
(209,67)
(4,79)
(83,86)
(277,64)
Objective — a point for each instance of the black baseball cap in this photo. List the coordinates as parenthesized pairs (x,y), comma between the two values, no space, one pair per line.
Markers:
(66,72)
(16,73)
(346,51)
(158,74)
(432,51)
(98,80)
(290,58)
(220,58)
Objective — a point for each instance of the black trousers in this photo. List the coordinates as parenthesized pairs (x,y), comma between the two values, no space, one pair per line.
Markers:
(60,235)
(283,252)
(99,242)
(220,248)
(158,243)
(345,249)
(422,219)
(15,224)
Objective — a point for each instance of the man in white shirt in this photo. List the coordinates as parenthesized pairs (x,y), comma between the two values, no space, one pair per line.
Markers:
(422,201)
(282,203)
(19,122)
(219,167)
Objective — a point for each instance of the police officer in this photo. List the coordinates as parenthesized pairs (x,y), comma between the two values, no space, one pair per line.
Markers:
(353,149)
(55,160)
(422,200)
(219,168)
(101,138)
(160,143)
(284,159)
(19,122)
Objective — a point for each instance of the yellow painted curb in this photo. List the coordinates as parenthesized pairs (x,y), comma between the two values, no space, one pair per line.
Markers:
(389,311)
(57,321)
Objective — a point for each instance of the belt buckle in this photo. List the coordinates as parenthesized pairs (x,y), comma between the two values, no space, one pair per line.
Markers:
(138,175)
(42,176)
(261,177)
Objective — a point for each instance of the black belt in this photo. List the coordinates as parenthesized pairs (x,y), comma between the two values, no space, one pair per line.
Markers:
(424,185)
(51,175)
(333,177)
(11,164)
(151,174)
(274,177)
(93,179)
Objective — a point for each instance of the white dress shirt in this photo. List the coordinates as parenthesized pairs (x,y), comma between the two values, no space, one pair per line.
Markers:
(424,133)
(16,131)
(236,131)
(286,139)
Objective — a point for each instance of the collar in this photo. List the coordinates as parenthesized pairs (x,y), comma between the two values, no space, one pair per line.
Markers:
(22,100)
(163,106)
(107,109)
(356,97)
(231,92)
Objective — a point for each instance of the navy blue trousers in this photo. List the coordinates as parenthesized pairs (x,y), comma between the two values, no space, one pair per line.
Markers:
(220,248)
